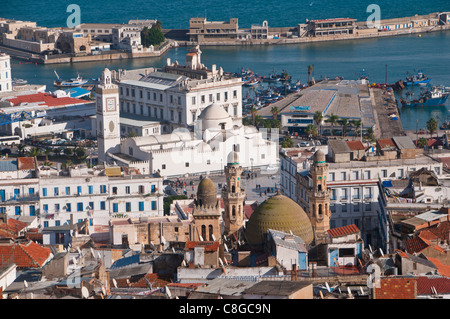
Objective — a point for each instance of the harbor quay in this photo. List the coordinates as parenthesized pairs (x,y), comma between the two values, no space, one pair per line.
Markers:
(102,42)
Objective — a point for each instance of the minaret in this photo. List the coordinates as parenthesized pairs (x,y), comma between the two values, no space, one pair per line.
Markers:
(319,198)
(233,196)
(5,73)
(108,118)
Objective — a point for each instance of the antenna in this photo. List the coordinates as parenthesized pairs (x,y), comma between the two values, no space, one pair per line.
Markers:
(173,249)
(226,247)
(183,263)
(114,283)
(349,291)
(92,252)
(103,291)
(328,287)
(361,289)
(25,283)
(370,248)
(220,261)
(381,251)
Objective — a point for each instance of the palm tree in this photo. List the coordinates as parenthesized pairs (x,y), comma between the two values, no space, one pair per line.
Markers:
(253,112)
(357,125)
(333,120)
(34,152)
(369,133)
(318,118)
(432,126)
(311,130)
(422,142)
(344,123)
(21,149)
(46,153)
(275,111)
(158,25)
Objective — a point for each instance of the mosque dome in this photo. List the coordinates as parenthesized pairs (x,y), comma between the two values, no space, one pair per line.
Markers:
(278,213)
(319,157)
(214,117)
(233,158)
(206,192)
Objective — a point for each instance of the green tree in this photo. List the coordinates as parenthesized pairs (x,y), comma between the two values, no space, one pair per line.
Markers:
(275,111)
(432,126)
(344,122)
(311,130)
(253,112)
(34,152)
(333,120)
(422,142)
(153,36)
(80,153)
(369,134)
(67,164)
(287,143)
(318,118)
(357,125)
(21,149)
(68,152)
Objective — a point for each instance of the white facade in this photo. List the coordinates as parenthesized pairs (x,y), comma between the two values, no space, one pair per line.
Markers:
(5,73)
(85,194)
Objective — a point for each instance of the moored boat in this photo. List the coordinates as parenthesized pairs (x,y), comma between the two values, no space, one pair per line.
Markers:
(437,96)
(417,79)
(74,82)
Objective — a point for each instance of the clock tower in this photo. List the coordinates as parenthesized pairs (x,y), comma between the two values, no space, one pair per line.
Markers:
(108,118)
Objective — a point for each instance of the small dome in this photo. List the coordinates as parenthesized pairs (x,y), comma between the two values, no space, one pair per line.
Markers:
(278,213)
(214,112)
(206,192)
(233,158)
(319,157)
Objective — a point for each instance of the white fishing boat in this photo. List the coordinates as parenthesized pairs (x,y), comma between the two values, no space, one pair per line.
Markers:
(74,82)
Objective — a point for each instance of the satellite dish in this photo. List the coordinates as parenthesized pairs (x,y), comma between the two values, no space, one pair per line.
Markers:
(290,231)
(224,238)
(103,291)
(213,237)
(114,283)
(220,261)
(173,249)
(361,289)
(225,259)
(84,292)
(370,248)
(152,246)
(226,247)
(381,251)
(163,240)
(339,289)
(201,238)
(183,263)
(328,287)
(349,291)
(25,284)
(92,252)
(99,256)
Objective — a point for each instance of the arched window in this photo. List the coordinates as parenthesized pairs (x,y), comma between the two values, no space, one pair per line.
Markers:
(210,229)
(233,211)
(320,210)
(204,232)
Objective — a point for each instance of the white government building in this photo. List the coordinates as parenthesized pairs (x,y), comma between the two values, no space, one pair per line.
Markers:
(5,73)
(199,145)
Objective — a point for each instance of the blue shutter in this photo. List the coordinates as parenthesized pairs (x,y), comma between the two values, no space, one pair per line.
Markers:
(91,189)
(44,192)
(141,206)
(2,195)
(154,205)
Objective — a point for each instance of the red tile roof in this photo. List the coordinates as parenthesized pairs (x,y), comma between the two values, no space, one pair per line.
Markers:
(443,269)
(396,288)
(343,231)
(208,245)
(428,235)
(416,245)
(12,228)
(192,285)
(25,163)
(28,255)
(157,280)
(45,99)
(386,142)
(424,284)
(355,145)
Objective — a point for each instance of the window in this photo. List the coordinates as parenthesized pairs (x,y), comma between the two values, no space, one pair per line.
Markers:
(45,208)
(102,189)
(203,99)
(31,191)
(141,189)
(218,97)
(68,207)
(17,210)
(57,223)
(57,208)
(332,176)
(355,175)
(163,166)
(79,207)
(400,173)
(186,164)
(366,174)
(90,189)
(141,206)
(91,205)
(45,224)
(356,207)
(56,191)
(347,252)
(154,205)
(32,210)
(102,205)
(356,193)
(153,188)
(128,206)
(79,190)
(67,190)
(225,96)
(343,176)
(368,193)
(333,194)
(344,208)
(127,189)
(115,207)
(344,194)
(193,100)
(384,173)
(235,93)
(210,98)
(44,191)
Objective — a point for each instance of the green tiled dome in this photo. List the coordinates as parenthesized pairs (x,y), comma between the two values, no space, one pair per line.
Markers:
(278,213)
